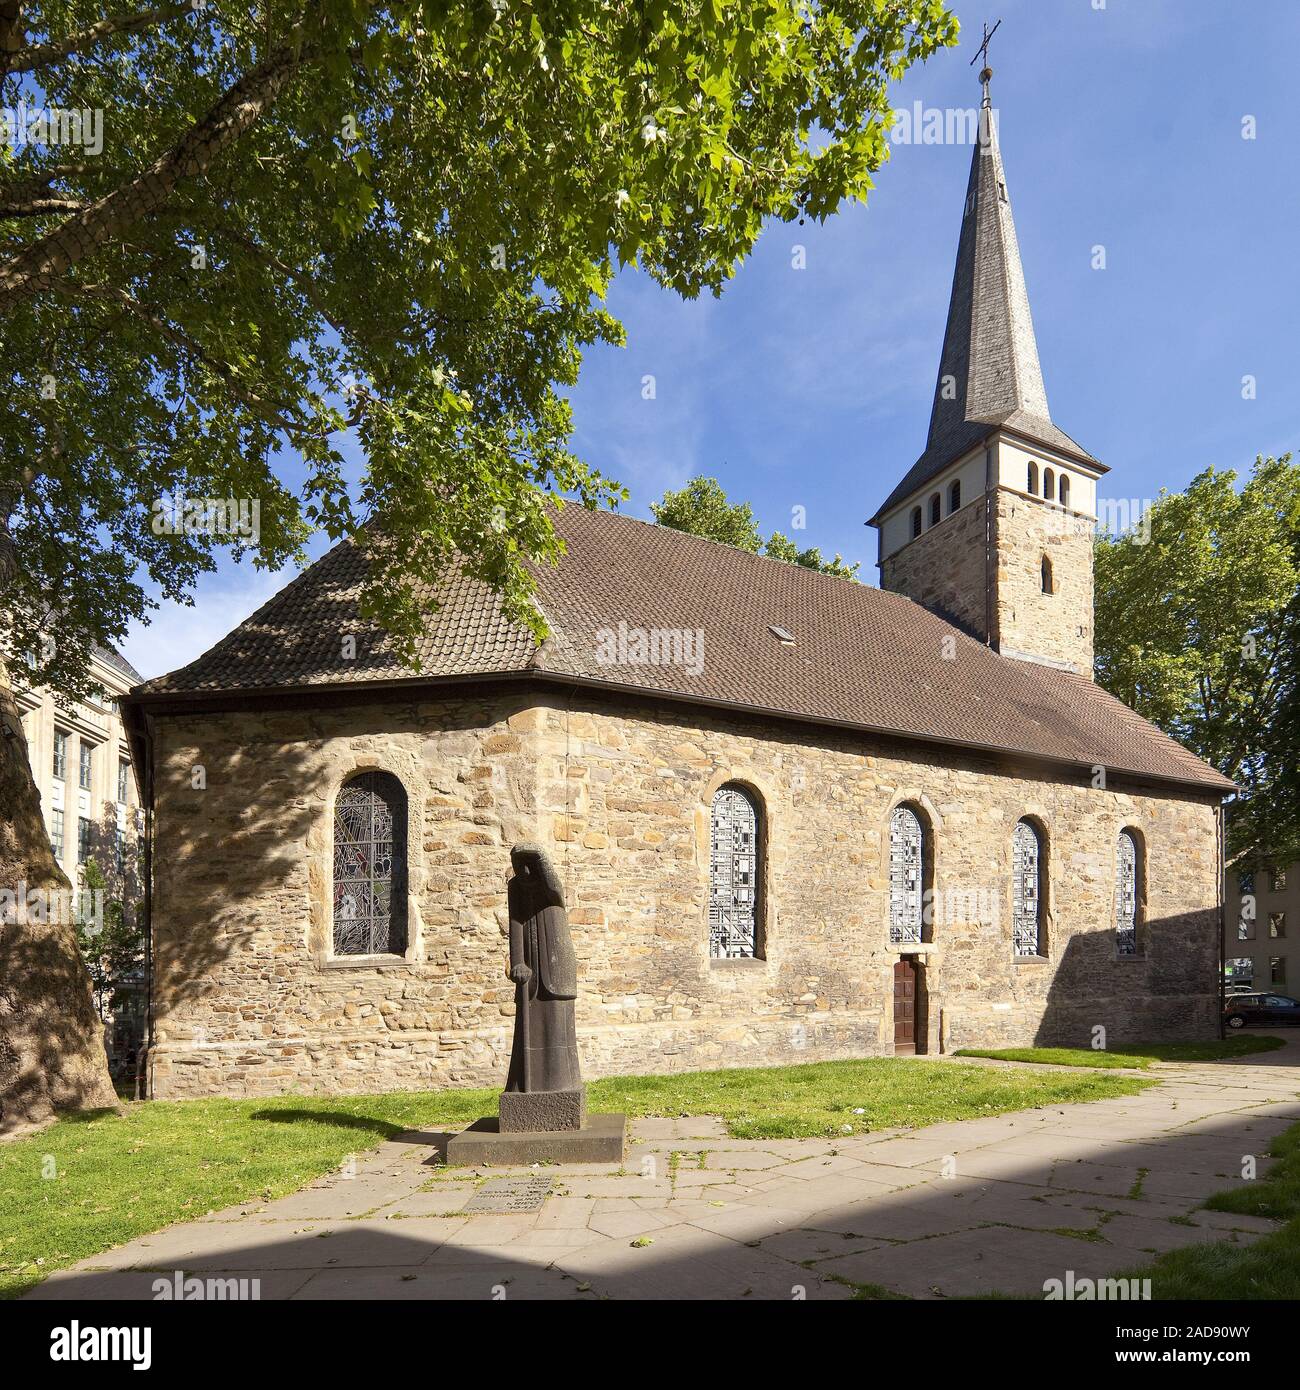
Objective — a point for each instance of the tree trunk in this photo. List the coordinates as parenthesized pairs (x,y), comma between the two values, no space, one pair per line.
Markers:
(51,1039)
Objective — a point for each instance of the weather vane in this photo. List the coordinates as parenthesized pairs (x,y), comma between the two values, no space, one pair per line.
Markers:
(983,50)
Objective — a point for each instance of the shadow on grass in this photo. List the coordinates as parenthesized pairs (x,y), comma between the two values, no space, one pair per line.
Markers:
(385,1129)
(85,1117)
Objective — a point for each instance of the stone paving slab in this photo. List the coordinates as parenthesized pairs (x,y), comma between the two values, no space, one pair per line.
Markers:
(1140,1234)
(1001,1260)
(440,1283)
(998,1204)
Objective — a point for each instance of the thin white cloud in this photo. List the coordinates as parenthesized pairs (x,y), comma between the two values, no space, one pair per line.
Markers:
(178,634)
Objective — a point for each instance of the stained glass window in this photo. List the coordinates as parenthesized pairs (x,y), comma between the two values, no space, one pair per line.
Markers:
(1126,895)
(370,866)
(906,875)
(1026,890)
(733,874)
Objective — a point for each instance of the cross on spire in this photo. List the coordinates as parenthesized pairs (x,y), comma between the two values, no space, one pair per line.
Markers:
(983,52)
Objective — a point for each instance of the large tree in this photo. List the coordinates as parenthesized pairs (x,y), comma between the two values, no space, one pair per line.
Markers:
(1198,628)
(273,228)
(702,508)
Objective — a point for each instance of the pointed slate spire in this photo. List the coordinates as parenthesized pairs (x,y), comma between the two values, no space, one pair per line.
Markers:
(988,372)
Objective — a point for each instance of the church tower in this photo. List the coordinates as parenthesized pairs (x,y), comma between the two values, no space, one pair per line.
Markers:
(992,526)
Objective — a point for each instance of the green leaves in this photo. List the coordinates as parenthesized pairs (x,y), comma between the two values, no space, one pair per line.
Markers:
(1198,628)
(408,250)
(702,509)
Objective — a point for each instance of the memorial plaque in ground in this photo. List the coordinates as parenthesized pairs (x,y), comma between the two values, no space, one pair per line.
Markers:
(510,1194)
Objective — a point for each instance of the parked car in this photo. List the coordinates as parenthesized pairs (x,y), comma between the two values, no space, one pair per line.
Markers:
(1255,1010)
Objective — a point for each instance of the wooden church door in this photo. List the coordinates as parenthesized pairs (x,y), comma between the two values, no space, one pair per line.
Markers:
(904,1005)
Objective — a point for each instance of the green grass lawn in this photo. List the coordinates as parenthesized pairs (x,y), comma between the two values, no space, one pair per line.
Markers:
(91,1182)
(1140,1055)
(830,1098)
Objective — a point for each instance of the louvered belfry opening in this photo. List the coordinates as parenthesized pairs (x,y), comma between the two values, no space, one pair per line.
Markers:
(370,866)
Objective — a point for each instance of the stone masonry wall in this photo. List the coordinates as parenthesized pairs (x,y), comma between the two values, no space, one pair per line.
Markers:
(249,1001)
(944,568)
(1027,621)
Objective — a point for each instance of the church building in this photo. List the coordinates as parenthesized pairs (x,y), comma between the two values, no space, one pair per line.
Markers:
(796,817)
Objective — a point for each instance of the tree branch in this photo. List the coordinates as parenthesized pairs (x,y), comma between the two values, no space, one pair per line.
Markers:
(45,55)
(35,207)
(303,281)
(34,182)
(11,32)
(267,412)
(48,259)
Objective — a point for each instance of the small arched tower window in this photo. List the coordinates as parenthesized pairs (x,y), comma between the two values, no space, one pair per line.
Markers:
(1033,479)
(735,874)
(1049,484)
(916,522)
(1064,486)
(1027,890)
(954,496)
(907,872)
(370,866)
(1128,871)
(1048,587)
(935,504)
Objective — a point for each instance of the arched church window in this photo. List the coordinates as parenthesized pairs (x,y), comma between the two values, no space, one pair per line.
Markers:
(1128,868)
(1049,484)
(1064,486)
(907,869)
(1047,576)
(1033,479)
(916,522)
(954,496)
(735,883)
(370,866)
(1027,890)
(935,504)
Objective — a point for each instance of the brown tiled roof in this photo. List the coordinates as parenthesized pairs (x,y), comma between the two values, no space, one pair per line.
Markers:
(861,658)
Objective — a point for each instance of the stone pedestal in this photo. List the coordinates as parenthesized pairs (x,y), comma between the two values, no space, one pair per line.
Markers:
(486,1144)
(524,1112)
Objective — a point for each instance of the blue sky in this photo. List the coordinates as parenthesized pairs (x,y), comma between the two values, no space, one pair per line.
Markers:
(1121,127)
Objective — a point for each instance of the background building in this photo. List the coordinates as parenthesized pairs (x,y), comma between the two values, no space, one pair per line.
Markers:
(1262,919)
(81,763)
